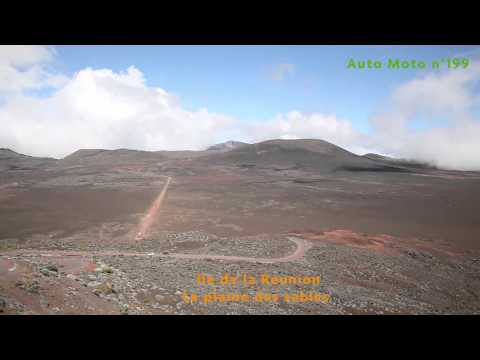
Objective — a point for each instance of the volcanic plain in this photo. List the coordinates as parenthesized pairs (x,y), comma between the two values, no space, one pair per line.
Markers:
(131,232)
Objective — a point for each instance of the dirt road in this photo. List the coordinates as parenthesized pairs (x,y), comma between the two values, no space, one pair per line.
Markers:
(302,248)
(149,217)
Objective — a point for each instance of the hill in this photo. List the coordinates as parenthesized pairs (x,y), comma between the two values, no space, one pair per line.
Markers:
(108,157)
(318,155)
(11,160)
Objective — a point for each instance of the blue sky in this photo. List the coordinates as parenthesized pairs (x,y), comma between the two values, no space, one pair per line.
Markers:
(235,79)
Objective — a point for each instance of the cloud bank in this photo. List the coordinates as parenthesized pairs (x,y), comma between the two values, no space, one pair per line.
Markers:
(104,109)
(100,108)
(445,102)
(298,125)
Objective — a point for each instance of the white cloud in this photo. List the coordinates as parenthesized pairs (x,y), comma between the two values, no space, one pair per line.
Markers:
(22,55)
(297,125)
(104,109)
(280,72)
(24,67)
(447,97)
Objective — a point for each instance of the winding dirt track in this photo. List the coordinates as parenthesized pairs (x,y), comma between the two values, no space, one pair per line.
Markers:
(302,247)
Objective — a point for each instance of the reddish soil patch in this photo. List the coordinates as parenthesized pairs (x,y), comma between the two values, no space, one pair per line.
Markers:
(380,242)
(5,266)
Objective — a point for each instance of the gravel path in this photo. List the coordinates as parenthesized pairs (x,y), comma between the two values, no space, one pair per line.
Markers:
(302,247)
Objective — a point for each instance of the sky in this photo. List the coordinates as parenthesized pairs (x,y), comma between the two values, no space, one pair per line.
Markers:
(55,100)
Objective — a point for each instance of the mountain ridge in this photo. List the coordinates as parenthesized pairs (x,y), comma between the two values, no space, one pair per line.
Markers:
(315,154)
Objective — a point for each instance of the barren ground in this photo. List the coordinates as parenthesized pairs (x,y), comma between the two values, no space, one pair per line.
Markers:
(381,242)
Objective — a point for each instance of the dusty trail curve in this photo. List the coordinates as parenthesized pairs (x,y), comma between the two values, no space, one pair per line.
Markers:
(302,247)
